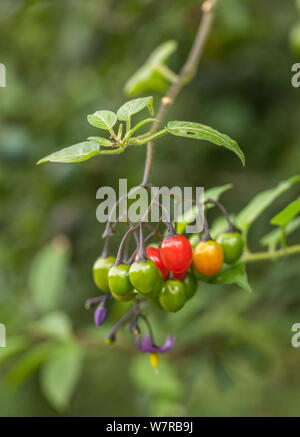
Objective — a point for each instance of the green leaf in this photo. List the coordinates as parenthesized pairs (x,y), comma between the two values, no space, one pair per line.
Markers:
(101,141)
(164,383)
(261,201)
(76,153)
(103,119)
(30,362)
(284,217)
(199,131)
(56,324)
(126,111)
(47,274)
(59,376)
(14,347)
(147,77)
(235,274)
(212,193)
(162,53)
(273,238)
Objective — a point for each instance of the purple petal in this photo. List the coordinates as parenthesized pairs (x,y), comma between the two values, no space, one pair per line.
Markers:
(100,316)
(169,343)
(146,345)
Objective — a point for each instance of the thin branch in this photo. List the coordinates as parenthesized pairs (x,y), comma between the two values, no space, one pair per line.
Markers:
(186,74)
(264,256)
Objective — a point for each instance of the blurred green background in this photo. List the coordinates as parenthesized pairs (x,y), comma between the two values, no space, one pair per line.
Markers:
(65,59)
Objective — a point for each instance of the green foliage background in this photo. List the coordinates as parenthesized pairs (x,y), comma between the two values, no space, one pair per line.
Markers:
(66,59)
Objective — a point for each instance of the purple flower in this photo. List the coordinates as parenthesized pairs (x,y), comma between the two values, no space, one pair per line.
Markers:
(100,315)
(147,347)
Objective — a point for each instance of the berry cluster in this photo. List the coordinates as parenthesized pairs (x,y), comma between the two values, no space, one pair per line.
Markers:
(164,276)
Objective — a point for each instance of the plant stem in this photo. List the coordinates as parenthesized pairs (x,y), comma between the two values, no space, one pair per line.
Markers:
(224,212)
(140,142)
(186,74)
(264,256)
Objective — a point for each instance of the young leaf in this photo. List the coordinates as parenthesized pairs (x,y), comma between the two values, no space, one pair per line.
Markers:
(60,375)
(235,274)
(103,119)
(76,153)
(261,201)
(104,142)
(132,107)
(162,53)
(285,216)
(147,77)
(212,193)
(48,273)
(199,131)
(273,238)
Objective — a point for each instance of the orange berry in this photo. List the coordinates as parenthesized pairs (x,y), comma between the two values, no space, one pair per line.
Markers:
(208,257)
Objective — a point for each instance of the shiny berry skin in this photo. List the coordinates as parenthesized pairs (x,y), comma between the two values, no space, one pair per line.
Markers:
(118,280)
(199,276)
(144,276)
(190,285)
(180,276)
(124,298)
(172,297)
(154,254)
(232,244)
(208,257)
(101,268)
(176,253)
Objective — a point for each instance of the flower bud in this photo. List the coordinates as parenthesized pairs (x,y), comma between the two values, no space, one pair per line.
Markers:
(100,315)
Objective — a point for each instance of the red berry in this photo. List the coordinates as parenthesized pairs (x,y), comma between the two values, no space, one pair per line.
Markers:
(154,254)
(180,276)
(176,253)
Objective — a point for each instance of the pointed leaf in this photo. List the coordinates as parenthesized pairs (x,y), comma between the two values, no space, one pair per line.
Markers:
(235,274)
(261,201)
(161,54)
(199,131)
(273,238)
(103,119)
(132,107)
(147,77)
(285,216)
(76,153)
(47,274)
